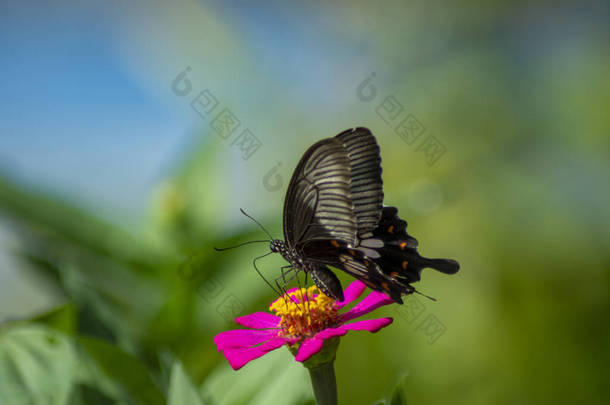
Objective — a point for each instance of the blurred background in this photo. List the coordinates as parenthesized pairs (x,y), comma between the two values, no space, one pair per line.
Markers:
(132,133)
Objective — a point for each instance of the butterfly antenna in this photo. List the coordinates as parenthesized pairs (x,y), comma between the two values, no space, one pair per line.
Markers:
(257,223)
(261,274)
(239,245)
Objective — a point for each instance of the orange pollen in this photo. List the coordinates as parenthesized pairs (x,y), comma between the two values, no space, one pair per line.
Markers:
(304,312)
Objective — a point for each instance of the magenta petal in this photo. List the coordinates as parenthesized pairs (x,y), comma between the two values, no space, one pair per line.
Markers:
(372,301)
(242,338)
(371,325)
(259,320)
(313,345)
(240,357)
(309,347)
(351,293)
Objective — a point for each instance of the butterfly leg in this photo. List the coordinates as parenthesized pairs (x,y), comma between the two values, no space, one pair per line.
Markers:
(285,271)
(282,289)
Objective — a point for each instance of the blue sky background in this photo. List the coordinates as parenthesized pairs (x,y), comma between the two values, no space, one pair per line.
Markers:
(74,120)
(88,114)
(87,111)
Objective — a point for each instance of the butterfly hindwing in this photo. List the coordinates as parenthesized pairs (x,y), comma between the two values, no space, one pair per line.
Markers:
(355,263)
(395,251)
(385,259)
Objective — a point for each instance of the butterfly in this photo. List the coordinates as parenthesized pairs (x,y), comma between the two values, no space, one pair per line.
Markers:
(334,216)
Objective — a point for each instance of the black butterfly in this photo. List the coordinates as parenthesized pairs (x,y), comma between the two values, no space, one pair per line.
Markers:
(334,216)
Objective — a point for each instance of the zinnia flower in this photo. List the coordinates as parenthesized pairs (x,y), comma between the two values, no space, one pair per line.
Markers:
(304,319)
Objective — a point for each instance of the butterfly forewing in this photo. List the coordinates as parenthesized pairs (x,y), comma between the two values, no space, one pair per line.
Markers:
(318,203)
(366,187)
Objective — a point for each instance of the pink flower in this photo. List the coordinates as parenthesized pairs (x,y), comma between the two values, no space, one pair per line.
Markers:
(306,318)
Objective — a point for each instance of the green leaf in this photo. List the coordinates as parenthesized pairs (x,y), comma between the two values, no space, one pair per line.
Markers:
(69,225)
(181,390)
(86,394)
(399,395)
(37,365)
(275,378)
(62,319)
(125,370)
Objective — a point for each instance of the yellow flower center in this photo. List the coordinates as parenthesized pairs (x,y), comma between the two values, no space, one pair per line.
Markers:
(305,312)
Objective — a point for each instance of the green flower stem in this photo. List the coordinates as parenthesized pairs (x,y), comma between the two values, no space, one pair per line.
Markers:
(322,372)
(324,384)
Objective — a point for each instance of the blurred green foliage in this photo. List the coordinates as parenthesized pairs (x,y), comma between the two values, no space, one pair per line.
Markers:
(523,208)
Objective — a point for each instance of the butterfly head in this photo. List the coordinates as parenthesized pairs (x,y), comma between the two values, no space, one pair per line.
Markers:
(277,245)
